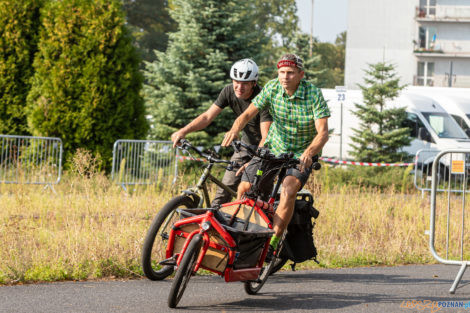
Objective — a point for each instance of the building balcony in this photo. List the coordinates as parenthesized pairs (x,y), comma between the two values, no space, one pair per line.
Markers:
(457,81)
(443,14)
(440,49)
(441,54)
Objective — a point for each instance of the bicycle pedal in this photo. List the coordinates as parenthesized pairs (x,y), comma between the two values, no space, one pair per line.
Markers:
(170,262)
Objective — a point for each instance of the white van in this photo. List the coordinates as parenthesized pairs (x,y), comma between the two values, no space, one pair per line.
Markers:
(431,126)
(456,101)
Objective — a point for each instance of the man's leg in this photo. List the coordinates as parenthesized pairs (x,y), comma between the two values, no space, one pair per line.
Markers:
(293,182)
(242,188)
(290,186)
(230,180)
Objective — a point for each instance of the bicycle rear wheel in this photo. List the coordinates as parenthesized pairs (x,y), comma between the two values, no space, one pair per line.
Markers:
(155,243)
(185,271)
(278,264)
(269,268)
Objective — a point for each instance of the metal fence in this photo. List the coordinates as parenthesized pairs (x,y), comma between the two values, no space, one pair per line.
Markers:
(423,168)
(445,180)
(449,238)
(144,162)
(30,160)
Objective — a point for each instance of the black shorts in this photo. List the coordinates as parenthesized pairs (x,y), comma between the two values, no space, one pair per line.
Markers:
(269,174)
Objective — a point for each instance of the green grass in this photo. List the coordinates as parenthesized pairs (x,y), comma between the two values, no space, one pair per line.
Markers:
(91,229)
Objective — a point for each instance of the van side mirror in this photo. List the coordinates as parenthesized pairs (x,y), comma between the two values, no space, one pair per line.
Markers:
(423,134)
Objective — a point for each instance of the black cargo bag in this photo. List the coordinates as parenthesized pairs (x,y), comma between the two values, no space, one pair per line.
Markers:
(300,231)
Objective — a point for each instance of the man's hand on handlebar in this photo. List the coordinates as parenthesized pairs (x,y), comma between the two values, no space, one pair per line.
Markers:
(176,137)
(228,138)
(305,162)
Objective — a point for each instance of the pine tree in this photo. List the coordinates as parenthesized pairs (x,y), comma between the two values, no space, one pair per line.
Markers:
(186,79)
(87,81)
(381,134)
(19,29)
(150,24)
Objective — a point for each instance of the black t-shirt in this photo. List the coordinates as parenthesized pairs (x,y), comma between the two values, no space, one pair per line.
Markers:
(251,134)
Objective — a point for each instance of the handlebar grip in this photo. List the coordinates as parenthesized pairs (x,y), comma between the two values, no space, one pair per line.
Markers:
(316,166)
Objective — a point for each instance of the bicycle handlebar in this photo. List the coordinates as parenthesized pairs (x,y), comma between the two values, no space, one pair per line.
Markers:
(264,153)
(186,145)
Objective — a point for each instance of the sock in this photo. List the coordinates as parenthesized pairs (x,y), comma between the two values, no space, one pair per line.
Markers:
(274,241)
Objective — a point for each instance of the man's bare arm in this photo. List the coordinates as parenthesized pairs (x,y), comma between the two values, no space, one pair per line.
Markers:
(239,124)
(264,127)
(200,122)
(317,144)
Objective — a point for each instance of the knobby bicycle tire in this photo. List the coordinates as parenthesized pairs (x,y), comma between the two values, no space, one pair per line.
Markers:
(185,271)
(278,264)
(154,247)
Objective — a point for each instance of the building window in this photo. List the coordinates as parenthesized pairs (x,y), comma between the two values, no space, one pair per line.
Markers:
(425,75)
(427,8)
(427,38)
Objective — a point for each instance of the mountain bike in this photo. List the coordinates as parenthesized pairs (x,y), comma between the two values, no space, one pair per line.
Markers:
(194,197)
(231,240)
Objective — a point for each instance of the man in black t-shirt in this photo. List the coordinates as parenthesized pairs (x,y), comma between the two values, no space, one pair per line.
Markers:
(237,96)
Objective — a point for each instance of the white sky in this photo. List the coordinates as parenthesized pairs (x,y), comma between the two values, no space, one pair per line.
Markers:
(329,18)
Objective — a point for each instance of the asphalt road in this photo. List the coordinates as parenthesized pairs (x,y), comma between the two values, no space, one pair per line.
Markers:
(371,289)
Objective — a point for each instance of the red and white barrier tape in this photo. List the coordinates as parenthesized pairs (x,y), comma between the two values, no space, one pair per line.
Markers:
(182,158)
(329,160)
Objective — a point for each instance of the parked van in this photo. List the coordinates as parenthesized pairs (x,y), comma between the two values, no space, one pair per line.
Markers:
(431,126)
(456,101)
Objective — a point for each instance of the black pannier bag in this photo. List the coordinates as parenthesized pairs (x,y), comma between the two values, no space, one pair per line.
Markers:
(300,231)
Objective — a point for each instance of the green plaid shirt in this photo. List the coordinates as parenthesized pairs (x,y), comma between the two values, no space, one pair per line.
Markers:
(293,127)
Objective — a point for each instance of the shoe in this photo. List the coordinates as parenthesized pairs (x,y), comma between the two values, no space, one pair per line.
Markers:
(269,255)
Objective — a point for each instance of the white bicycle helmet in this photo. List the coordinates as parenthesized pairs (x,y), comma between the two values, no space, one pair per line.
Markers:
(244,70)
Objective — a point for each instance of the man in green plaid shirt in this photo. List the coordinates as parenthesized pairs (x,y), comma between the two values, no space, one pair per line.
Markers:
(300,125)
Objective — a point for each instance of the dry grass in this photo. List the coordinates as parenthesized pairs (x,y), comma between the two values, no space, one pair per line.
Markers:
(92,229)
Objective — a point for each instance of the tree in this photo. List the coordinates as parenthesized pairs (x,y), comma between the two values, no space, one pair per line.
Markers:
(277,20)
(381,134)
(19,29)
(186,79)
(86,84)
(150,24)
(312,63)
(325,67)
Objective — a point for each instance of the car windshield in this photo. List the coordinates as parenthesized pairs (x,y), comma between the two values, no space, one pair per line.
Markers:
(444,125)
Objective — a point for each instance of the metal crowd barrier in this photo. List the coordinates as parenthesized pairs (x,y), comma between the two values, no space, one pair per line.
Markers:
(423,171)
(423,168)
(451,205)
(30,160)
(144,162)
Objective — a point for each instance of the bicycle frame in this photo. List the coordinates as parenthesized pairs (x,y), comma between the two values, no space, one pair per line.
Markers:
(201,189)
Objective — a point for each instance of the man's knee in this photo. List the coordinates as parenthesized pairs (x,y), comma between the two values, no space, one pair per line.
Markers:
(290,186)
(243,187)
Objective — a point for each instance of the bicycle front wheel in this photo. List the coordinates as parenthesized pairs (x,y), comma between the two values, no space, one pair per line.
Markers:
(155,243)
(185,271)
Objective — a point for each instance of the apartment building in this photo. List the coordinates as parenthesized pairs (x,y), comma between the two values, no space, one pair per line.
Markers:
(427,40)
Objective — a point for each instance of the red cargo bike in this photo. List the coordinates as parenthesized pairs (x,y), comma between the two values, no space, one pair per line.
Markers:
(231,240)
